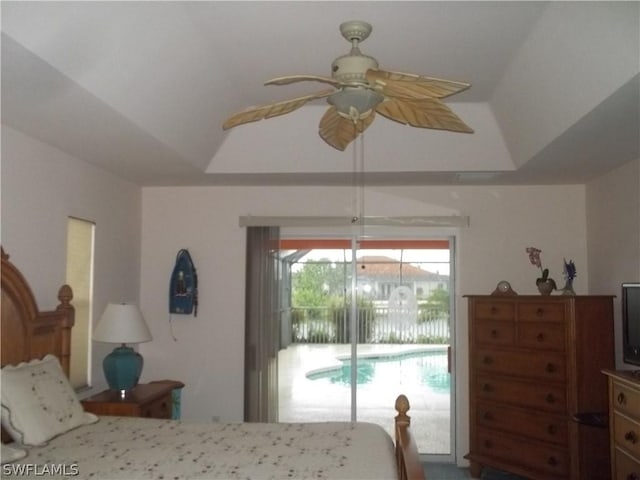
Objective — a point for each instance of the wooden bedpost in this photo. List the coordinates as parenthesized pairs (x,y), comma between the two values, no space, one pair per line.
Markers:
(407,457)
(65,295)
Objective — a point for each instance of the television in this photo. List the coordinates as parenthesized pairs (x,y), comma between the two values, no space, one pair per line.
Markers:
(631,323)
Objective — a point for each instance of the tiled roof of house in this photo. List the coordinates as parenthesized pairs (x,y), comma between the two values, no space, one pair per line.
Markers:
(380,266)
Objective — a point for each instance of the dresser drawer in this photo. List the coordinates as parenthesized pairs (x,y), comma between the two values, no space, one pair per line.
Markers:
(525,423)
(535,456)
(549,367)
(493,310)
(538,311)
(542,335)
(625,467)
(626,433)
(495,332)
(550,398)
(625,399)
(158,408)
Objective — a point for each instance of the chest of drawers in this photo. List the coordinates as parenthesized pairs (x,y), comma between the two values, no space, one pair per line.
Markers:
(624,424)
(534,363)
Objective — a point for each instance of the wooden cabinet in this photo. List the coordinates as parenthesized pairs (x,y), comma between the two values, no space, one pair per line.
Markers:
(153,400)
(534,365)
(624,424)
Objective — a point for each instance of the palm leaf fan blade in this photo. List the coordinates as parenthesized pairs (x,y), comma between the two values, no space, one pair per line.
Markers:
(424,113)
(339,131)
(301,78)
(397,84)
(272,109)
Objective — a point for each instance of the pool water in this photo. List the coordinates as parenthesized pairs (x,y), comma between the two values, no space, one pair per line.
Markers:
(428,369)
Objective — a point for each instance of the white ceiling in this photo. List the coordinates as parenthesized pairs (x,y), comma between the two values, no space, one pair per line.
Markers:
(142,88)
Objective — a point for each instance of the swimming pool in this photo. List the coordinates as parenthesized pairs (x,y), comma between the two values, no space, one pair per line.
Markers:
(425,368)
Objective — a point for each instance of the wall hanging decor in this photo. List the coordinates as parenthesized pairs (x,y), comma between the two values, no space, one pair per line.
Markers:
(183,288)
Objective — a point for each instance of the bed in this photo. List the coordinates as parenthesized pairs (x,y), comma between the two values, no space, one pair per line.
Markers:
(36,348)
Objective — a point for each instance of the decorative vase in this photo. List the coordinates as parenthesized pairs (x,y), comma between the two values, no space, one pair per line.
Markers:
(545,288)
(568,288)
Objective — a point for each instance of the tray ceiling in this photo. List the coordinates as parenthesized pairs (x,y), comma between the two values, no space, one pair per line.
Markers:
(142,88)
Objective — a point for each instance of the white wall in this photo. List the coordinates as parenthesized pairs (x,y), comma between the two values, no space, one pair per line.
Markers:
(208,354)
(613,206)
(142,230)
(41,187)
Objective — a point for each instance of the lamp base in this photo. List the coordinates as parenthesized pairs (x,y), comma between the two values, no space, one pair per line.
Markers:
(122,368)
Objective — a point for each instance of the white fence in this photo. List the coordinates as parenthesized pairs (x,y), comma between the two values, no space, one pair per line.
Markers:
(326,325)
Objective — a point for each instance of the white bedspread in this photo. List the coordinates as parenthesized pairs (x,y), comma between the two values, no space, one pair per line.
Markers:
(136,448)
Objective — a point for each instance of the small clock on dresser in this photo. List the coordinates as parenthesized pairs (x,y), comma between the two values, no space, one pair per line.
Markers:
(503,288)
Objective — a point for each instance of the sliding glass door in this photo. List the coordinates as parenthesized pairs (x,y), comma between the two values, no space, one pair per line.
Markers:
(365,321)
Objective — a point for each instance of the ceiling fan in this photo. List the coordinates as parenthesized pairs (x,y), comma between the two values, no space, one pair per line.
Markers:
(360,90)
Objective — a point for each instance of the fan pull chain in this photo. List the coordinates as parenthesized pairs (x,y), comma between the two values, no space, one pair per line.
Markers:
(361,185)
(354,183)
(358,181)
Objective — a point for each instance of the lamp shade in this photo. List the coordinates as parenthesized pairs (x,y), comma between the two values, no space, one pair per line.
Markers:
(122,323)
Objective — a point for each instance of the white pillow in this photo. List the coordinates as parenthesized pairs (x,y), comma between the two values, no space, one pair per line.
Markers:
(11,454)
(38,402)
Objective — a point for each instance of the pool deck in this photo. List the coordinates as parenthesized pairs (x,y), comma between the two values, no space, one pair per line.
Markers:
(301,399)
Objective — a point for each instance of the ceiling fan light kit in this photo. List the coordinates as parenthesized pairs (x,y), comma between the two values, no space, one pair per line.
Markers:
(360,90)
(355,103)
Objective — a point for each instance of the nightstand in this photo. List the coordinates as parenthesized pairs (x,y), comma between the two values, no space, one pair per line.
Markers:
(154,400)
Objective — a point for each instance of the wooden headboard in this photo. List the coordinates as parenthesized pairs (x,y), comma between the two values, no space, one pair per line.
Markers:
(26,332)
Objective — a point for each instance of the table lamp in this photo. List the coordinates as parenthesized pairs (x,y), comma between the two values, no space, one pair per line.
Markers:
(122,323)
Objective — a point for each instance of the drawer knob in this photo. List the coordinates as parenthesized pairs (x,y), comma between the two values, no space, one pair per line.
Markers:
(486,387)
(487,360)
(488,444)
(550,398)
(487,416)
(494,310)
(552,429)
(622,399)
(552,461)
(540,337)
(633,476)
(550,368)
(631,437)
(494,333)
(540,312)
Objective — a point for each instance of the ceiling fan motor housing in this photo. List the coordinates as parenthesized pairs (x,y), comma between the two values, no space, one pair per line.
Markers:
(351,69)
